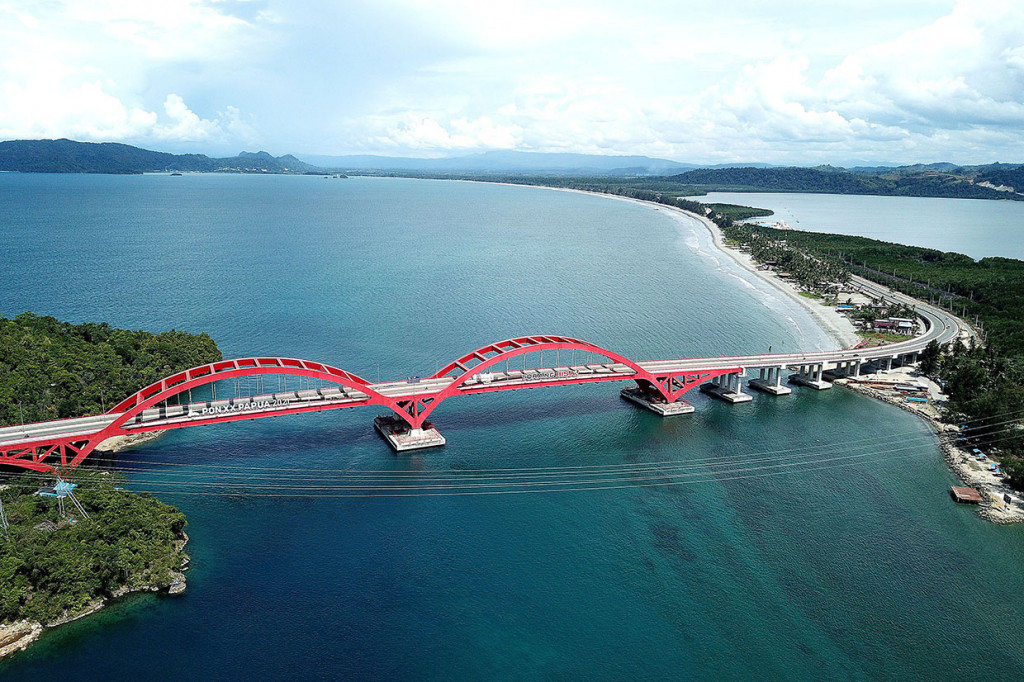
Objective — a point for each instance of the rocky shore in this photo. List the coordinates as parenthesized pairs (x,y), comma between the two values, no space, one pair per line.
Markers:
(993,489)
(17,636)
(119,443)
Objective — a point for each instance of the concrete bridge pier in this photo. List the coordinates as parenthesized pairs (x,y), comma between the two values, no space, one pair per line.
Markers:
(655,403)
(727,387)
(906,359)
(770,381)
(810,376)
(844,368)
(402,438)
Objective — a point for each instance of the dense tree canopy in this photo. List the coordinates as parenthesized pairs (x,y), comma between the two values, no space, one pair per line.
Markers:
(51,369)
(984,382)
(50,566)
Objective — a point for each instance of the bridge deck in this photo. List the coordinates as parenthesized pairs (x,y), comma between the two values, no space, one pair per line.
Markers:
(16,440)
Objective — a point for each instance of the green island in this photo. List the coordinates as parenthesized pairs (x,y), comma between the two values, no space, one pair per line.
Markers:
(53,370)
(55,568)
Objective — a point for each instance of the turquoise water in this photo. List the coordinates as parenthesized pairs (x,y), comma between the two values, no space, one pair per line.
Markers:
(978,228)
(802,537)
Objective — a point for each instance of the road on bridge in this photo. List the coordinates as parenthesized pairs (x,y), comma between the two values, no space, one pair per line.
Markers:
(43,445)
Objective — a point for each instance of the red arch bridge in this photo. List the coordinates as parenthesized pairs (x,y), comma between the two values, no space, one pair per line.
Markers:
(502,366)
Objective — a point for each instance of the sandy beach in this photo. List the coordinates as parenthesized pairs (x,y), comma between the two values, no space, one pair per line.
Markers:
(971,472)
(835,325)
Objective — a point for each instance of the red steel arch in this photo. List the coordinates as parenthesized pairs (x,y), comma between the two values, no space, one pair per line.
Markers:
(669,386)
(71,449)
(178,383)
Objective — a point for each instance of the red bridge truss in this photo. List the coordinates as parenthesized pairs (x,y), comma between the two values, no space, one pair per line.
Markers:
(68,442)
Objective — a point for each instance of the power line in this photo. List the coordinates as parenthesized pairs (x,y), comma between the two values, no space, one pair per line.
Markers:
(684,473)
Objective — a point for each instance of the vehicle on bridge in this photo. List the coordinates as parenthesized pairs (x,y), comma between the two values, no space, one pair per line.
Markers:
(660,385)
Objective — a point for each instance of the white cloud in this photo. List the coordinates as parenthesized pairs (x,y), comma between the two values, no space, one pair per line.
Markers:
(963,70)
(184,124)
(168,29)
(83,70)
(787,81)
(419,133)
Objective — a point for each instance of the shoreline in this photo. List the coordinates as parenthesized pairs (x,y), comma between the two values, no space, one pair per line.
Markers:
(994,508)
(836,326)
(116,444)
(21,634)
(842,331)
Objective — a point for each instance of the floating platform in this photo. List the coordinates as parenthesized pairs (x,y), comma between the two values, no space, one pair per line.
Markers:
(402,438)
(769,387)
(965,495)
(723,393)
(643,399)
(809,382)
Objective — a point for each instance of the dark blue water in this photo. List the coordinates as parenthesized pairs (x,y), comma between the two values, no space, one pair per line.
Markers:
(561,533)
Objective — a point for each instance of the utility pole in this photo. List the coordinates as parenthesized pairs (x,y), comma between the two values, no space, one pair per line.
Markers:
(3,522)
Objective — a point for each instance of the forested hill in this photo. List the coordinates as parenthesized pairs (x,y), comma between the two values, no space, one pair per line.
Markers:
(52,370)
(68,156)
(910,181)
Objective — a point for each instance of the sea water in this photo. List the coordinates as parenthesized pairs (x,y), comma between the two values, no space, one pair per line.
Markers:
(976,227)
(561,533)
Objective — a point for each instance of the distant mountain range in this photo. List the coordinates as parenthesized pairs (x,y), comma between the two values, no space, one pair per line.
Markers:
(514,162)
(994,181)
(68,156)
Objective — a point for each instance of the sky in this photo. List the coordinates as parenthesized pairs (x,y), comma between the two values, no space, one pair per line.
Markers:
(855,82)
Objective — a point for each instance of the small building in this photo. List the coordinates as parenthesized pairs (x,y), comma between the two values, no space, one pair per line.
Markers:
(965,495)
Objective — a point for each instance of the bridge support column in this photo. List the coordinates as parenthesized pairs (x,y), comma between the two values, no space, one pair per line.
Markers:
(810,376)
(843,368)
(727,387)
(770,381)
(839,370)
